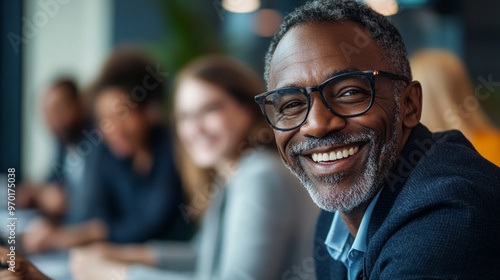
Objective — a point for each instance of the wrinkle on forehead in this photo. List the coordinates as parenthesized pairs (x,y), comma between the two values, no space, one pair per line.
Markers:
(281,56)
(292,80)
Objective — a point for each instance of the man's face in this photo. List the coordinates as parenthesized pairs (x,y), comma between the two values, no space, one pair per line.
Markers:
(63,113)
(369,144)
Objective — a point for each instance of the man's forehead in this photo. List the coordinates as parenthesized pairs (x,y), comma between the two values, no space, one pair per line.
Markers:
(319,49)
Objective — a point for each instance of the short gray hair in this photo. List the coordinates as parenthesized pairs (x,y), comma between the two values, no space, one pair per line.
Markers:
(385,34)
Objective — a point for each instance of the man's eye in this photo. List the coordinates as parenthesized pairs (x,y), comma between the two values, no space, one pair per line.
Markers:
(292,106)
(351,92)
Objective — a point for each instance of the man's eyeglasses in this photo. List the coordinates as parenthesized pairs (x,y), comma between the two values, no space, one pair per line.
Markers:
(345,95)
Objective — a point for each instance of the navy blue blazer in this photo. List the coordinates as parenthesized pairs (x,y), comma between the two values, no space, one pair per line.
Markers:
(438,216)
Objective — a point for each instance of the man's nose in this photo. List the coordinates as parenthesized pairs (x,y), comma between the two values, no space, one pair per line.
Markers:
(320,120)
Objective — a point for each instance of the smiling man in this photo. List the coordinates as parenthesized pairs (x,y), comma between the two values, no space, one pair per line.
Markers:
(399,202)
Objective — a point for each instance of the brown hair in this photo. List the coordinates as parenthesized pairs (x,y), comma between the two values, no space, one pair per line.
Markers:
(127,69)
(241,84)
(70,85)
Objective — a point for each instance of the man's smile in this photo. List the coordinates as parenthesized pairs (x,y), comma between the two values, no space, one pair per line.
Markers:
(336,154)
(333,160)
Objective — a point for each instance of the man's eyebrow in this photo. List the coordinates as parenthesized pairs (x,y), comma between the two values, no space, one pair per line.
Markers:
(330,75)
(341,71)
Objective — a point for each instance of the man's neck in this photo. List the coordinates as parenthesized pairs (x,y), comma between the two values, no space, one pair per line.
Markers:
(353,219)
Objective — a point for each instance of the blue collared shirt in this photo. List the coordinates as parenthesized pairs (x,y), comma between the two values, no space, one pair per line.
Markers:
(343,247)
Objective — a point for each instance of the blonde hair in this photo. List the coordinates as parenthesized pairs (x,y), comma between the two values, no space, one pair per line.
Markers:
(448,98)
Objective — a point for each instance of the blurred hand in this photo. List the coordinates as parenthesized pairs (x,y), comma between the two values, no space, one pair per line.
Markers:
(42,235)
(38,236)
(104,250)
(129,254)
(87,264)
(51,200)
(26,195)
(24,270)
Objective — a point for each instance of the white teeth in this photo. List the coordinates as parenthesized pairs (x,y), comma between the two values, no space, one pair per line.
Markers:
(345,153)
(315,157)
(334,155)
(339,155)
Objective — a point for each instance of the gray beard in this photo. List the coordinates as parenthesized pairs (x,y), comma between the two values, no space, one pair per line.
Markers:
(324,190)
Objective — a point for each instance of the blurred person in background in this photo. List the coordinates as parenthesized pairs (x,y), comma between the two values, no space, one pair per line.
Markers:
(259,224)
(63,198)
(134,185)
(66,119)
(449,101)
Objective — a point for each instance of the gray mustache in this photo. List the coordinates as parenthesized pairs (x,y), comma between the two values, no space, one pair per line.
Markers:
(329,140)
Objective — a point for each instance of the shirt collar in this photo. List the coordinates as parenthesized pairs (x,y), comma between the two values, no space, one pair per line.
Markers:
(361,241)
(338,242)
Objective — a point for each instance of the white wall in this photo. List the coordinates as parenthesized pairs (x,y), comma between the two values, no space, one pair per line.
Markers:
(62,37)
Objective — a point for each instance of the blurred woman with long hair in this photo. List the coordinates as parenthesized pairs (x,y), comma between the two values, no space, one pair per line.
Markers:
(449,101)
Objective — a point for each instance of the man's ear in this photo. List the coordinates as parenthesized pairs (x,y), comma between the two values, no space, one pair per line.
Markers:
(411,104)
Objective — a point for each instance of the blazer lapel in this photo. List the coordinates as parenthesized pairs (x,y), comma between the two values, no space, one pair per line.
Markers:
(417,145)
